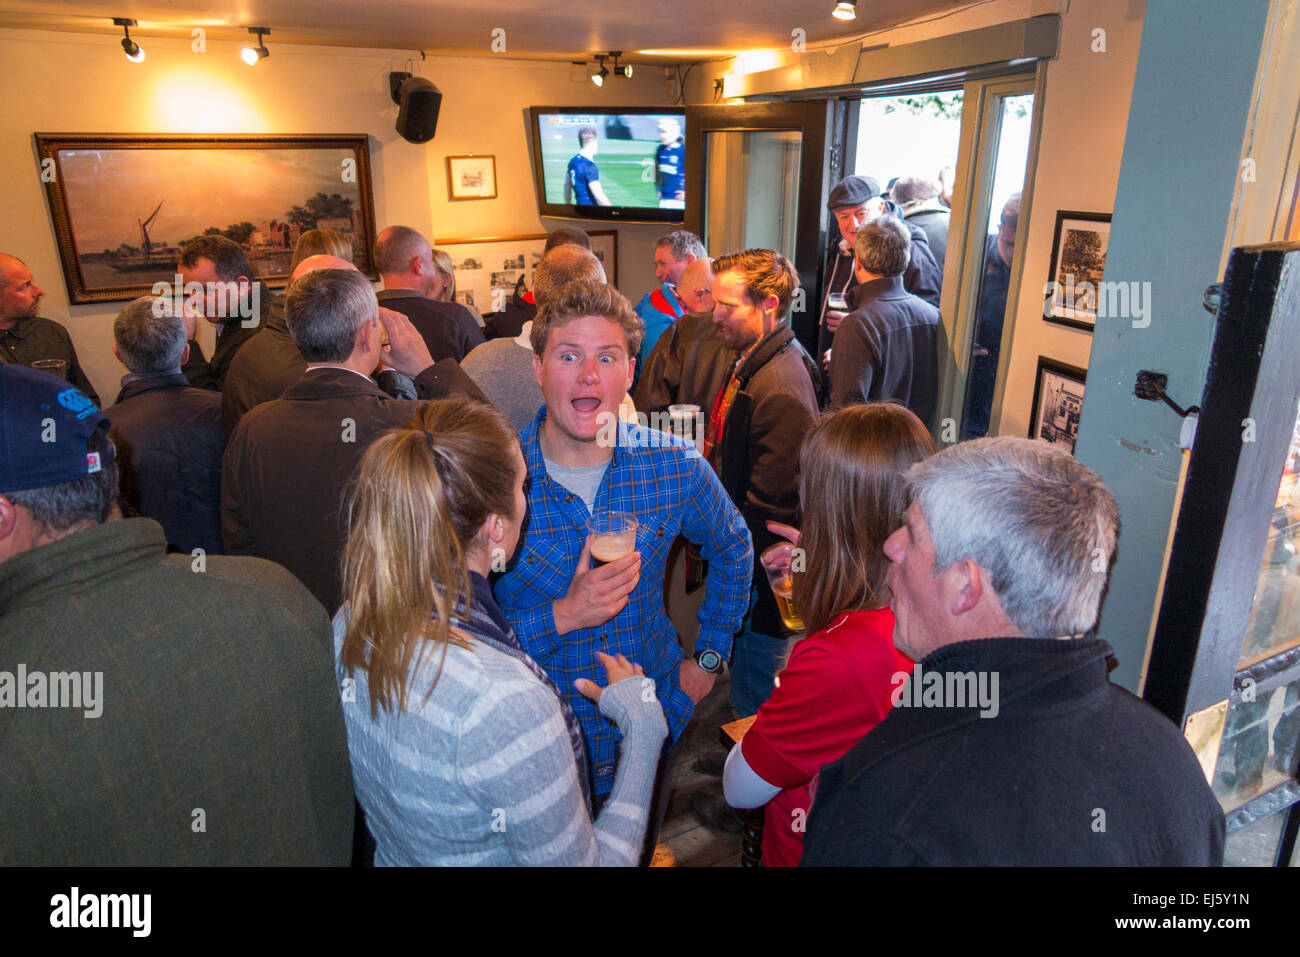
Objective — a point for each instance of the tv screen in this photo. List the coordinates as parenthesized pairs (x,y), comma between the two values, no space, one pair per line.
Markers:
(626,163)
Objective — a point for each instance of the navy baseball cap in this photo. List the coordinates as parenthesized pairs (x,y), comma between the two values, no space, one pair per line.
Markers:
(44,425)
(852,191)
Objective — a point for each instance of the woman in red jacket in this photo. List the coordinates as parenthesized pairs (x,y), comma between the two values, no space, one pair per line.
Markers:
(837,684)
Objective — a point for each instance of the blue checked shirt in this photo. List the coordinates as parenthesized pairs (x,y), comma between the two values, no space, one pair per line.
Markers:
(672,491)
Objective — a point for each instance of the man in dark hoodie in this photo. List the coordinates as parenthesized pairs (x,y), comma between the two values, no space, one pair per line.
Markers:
(1008,745)
(854,201)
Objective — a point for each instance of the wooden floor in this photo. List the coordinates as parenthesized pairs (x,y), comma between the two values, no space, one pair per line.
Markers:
(691,843)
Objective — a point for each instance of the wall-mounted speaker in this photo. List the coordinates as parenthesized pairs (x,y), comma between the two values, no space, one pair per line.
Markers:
(419,102)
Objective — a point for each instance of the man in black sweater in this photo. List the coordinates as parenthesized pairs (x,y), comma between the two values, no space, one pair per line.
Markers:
(1007,743)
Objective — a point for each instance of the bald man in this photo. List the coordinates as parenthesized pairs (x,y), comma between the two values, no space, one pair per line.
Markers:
(404,259)
(26,337)
(689,363)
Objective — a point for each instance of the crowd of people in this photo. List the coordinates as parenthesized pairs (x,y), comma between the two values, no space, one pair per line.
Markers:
(339,583)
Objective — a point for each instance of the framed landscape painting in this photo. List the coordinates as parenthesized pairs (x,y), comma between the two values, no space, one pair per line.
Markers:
(123,206)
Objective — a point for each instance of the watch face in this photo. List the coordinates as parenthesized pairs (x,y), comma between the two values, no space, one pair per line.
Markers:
(709,661)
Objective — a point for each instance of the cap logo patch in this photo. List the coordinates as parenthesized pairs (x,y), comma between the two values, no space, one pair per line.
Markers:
(77,402)
(92,463)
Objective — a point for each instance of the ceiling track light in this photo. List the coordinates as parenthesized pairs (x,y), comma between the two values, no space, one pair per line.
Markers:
(134,52)
(845,10)
(255,55)
(625,70)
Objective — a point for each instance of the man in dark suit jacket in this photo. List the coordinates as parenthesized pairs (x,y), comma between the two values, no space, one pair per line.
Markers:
(168,434)
(405,262)
(201,722)
(289,460)
(232,301)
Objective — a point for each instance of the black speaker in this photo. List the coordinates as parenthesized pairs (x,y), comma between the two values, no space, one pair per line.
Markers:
(419,102)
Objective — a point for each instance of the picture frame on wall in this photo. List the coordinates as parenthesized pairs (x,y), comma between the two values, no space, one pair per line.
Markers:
(472,177)
(1078,261)
(123,205)
(489,269)
(1057,403)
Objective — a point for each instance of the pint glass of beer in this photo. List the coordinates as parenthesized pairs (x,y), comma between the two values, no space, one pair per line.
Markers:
(613,535)
(776,562)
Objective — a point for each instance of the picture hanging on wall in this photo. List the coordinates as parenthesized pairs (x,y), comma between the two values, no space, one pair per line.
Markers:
(123,206)
(472,177)
(1058,400)
(489,270)
(1078,262)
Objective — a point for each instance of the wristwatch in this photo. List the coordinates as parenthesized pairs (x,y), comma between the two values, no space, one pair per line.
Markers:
(709,661)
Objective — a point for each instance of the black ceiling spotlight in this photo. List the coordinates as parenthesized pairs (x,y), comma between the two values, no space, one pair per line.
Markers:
(598,78)
(625,70)
(134,52)
(255,55)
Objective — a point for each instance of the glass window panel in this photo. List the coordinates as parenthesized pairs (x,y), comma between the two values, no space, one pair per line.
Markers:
(999,246)
(1255,845)
(1260,740)
(752,190)
(1275,618)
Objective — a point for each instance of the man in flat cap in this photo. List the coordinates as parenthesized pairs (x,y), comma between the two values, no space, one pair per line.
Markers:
(854,201)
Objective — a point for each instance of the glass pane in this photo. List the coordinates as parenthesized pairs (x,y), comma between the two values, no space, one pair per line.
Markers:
(1260,740)
(1256,844)
(1275,618)
(765,216)
(913,135)
(1015,118)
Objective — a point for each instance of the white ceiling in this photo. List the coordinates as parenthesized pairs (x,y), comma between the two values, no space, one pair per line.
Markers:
(560,31)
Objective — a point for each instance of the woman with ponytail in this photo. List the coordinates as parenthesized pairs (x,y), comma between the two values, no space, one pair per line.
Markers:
(463,751)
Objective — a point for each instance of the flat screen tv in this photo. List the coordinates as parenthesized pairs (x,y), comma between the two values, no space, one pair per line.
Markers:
(610,163)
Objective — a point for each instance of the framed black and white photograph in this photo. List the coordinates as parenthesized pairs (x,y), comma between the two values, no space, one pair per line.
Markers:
(488,268)
(1078,262)
(472,177)
(1058,400)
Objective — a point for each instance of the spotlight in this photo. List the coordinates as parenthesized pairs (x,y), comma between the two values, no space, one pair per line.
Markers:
(846,10)
(598,78)
(254,55)
(624,71)
(134,52)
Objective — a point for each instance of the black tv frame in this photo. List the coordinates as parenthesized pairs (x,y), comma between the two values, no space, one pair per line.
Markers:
(623,214)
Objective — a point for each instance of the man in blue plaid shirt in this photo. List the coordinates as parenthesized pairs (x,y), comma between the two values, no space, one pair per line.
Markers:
(581,459)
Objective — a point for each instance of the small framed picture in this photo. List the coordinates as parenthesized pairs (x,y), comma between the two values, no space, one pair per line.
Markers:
(1058,400)
(1078,261)
(472,177)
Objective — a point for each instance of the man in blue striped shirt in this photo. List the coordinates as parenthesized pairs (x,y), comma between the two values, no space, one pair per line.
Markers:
(581,459)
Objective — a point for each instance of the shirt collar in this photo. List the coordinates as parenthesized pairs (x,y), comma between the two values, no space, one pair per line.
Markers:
(142,376)
(531,442)
(325,365)
(21,327)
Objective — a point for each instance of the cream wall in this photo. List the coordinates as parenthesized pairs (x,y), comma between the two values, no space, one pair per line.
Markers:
(66,82)
(1085,114)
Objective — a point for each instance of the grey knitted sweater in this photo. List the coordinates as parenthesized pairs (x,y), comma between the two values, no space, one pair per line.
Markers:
(483,773)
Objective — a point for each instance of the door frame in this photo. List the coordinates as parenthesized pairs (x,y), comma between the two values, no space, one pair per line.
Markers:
(813,119)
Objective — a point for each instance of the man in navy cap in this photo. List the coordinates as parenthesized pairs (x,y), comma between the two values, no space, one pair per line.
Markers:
(854,201)
(158,709)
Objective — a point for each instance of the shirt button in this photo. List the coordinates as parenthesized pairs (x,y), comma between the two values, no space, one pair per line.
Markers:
(529,559)
(568,498)
(602,637)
